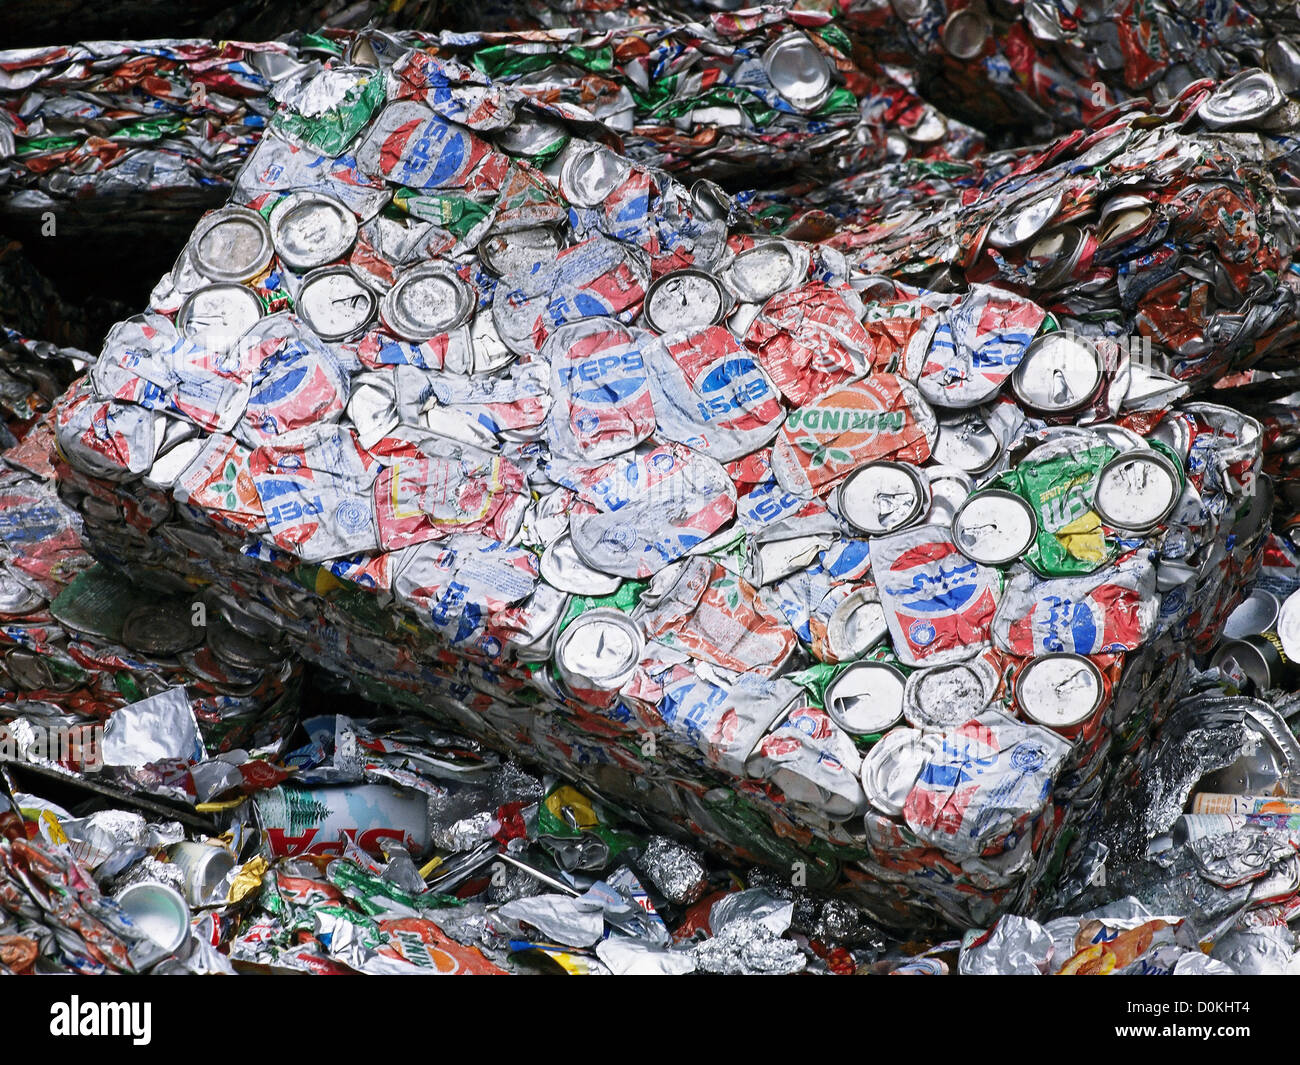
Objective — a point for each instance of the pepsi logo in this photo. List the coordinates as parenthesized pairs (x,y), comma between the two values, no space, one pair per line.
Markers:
(921,633)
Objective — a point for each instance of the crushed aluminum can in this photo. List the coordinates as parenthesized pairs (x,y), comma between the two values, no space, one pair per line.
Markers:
(335,303)
(1137,490)
(939,605)
(1060,691)
(997,759)
(600,649)
(943,697)
(857,625)
(883,497)
(311,230)
(233,244)
(994,527)
(685,300)
(890,769)
(866,699)
(618,524)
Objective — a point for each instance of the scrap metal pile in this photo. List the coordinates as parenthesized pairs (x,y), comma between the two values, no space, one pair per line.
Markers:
(1041,67)
(878,529)
(106,139)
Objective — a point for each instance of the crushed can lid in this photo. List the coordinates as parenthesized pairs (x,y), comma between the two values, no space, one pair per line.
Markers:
(232,244)
(1288,626)
(1059,690)
(1255,614)
(562,568)
(426,301)
(994,527)
(1059,373)
(1024,219)
(944,697)
(1137,490)
(759,273)
(334,303)
(599,649)
(883,497)
(890,768)
(966,32)
(311,230)
(685,300)
(590,173)
(798,71)
(866,698)
(1242,99)
(222,310)
(517,251)
(857,625)
(967,443)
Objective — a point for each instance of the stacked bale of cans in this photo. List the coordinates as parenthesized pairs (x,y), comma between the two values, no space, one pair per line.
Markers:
(1171,233)
(720,97)
(106,137)
(104,141)
(1038,68)
(80,641)
(701,518)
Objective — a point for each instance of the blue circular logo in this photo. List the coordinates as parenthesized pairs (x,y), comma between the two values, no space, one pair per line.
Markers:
(1028,758)
(352,515)
(921,633)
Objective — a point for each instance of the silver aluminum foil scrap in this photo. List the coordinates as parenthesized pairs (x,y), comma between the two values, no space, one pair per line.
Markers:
(676,871)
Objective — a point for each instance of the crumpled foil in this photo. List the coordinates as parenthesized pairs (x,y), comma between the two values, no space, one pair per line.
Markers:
(400,868)
(214,777)
(843,923)
(151,870)
(156,729)
(676,871)
(1170,959)
(108,829)
(1017,946)
(512,783)
(755,904)
(628,956)
(510,884)
(464,833)
(1194,963)
(574,922)
(29,742)
(196,958)
(460,815)
(1264,951)
(829,920)
(1176,766)
(1236,857)
(474,925)
(108,841)
(746,946)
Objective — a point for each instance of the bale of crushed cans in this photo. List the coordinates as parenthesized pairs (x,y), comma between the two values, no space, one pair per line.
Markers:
(843,575)
(108,138)
(162,126)
(81,644)
(1036,68)
(1172,234)
(719,97)
(1194,870)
